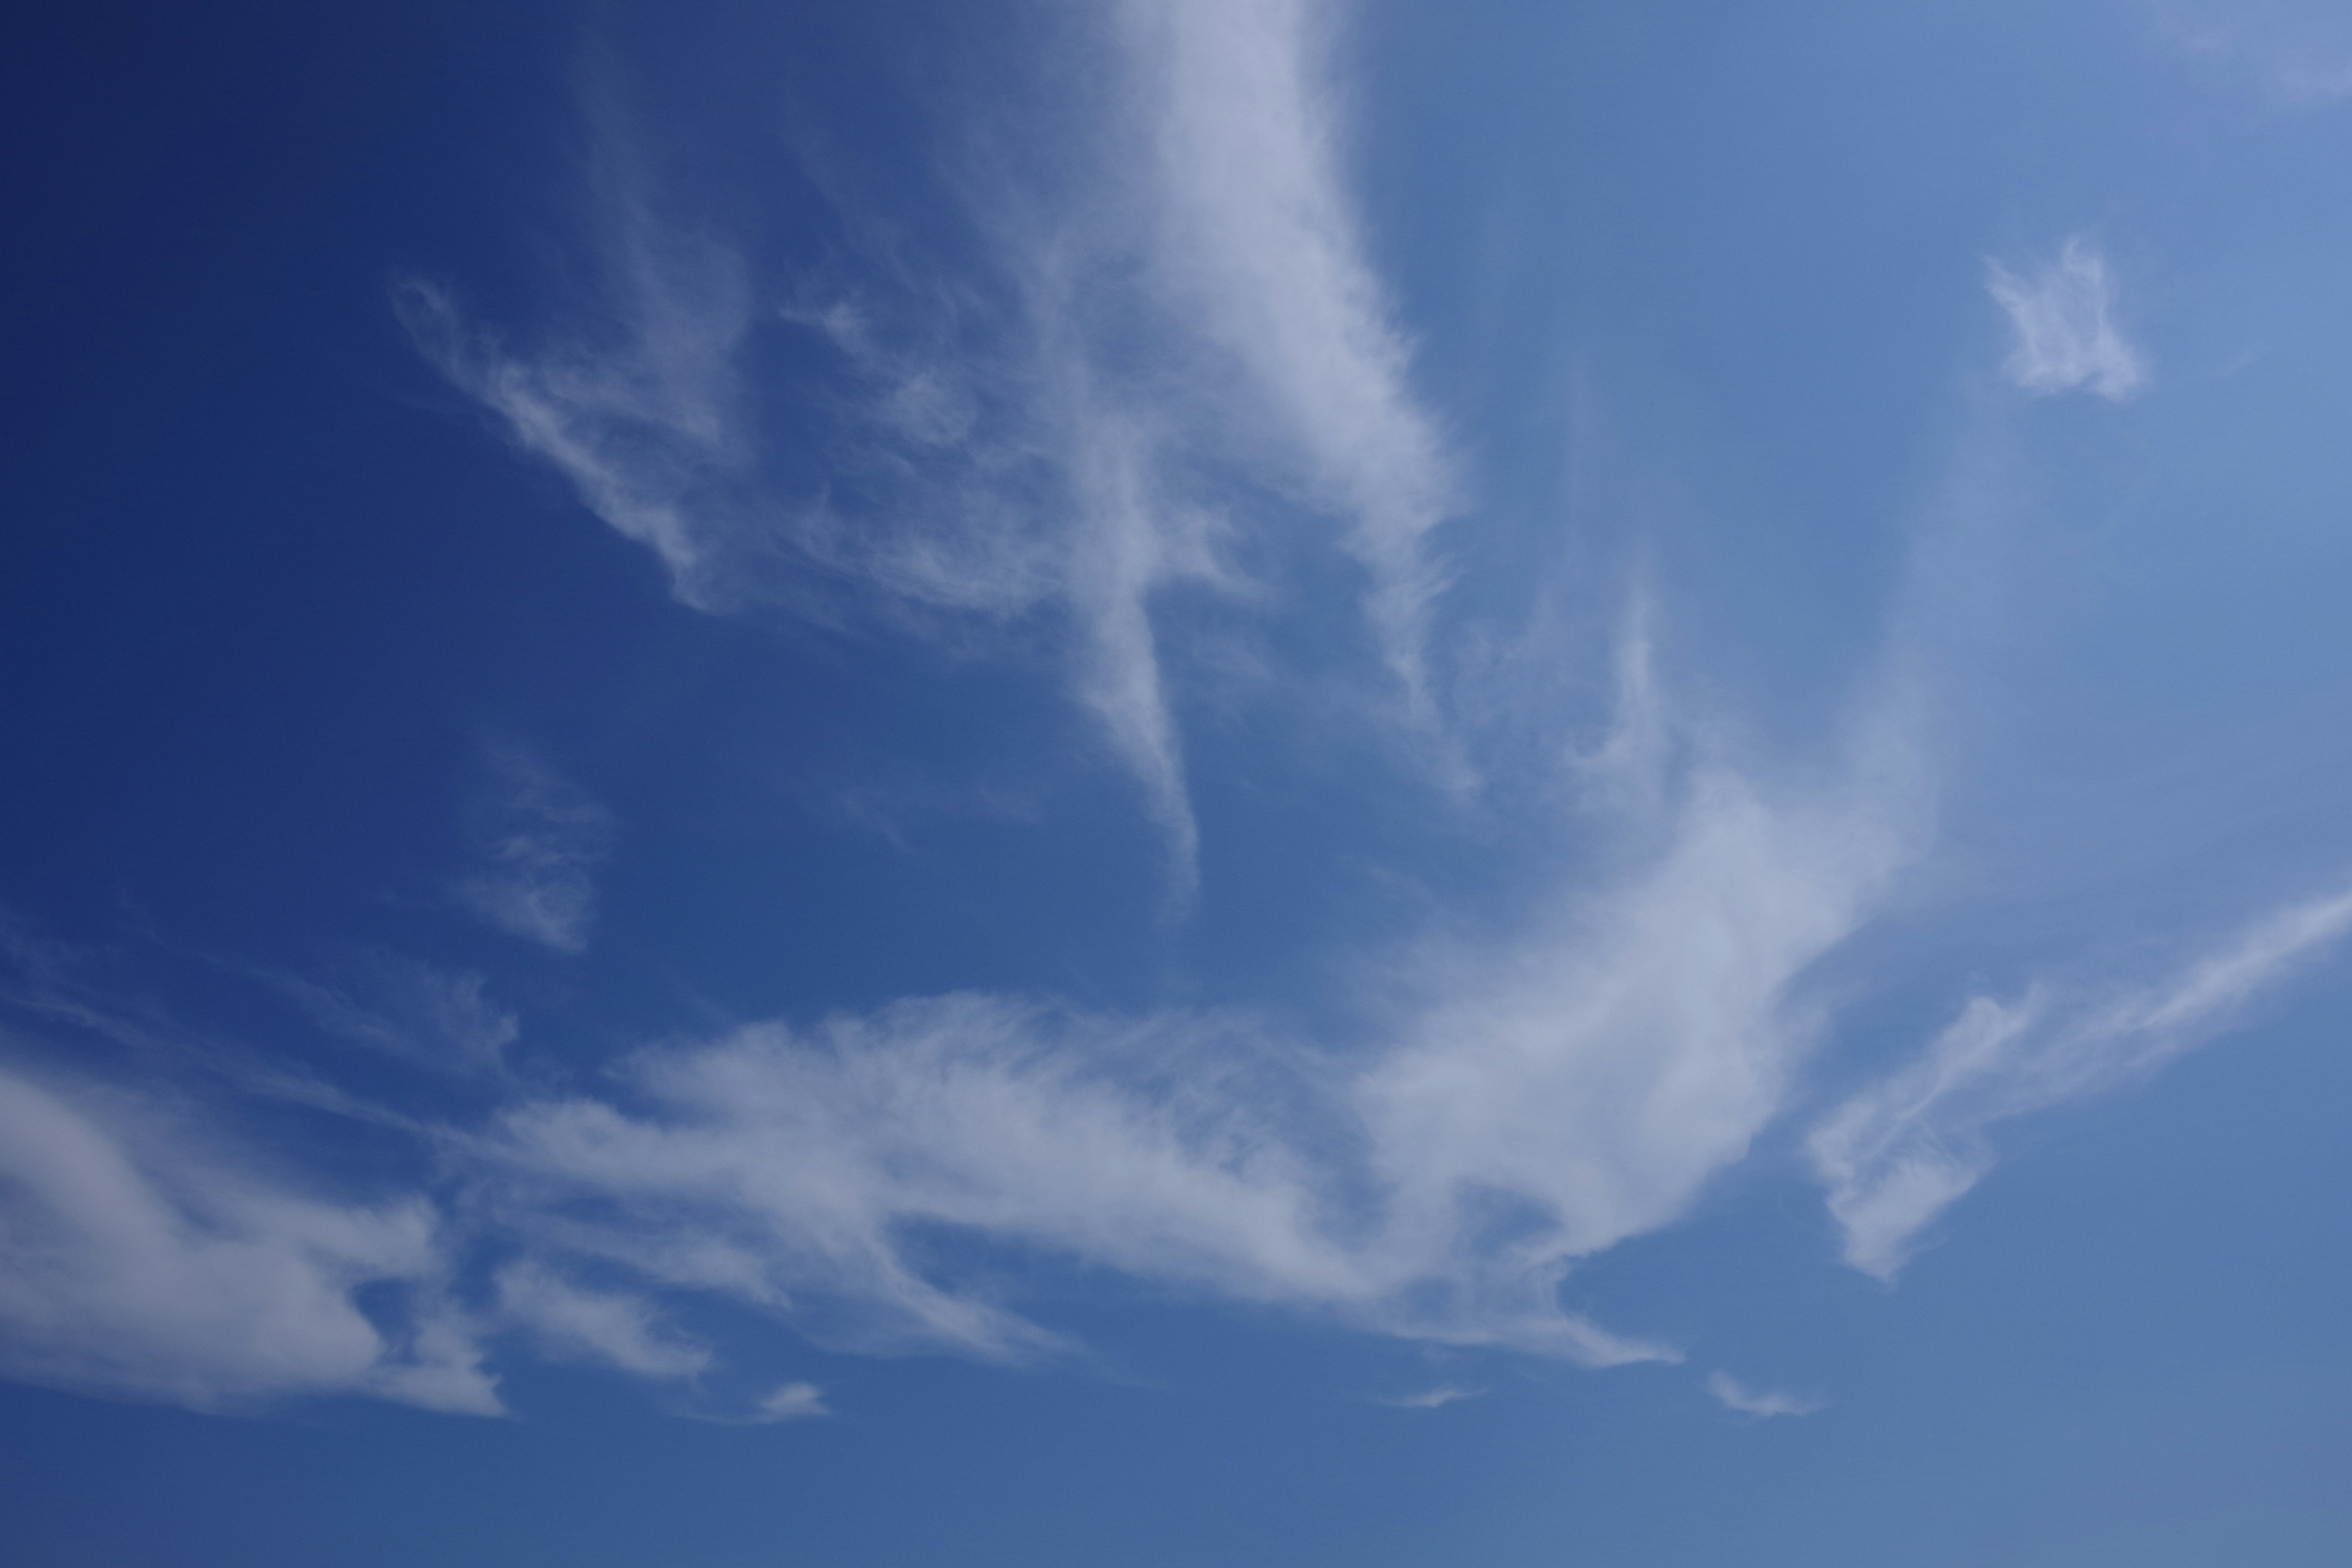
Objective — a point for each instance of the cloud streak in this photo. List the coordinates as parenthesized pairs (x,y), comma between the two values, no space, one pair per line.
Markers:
(1898,1154)
(1257,232)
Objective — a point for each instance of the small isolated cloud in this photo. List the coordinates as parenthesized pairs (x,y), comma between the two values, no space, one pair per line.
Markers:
(1737,1395)
(542,841)
(1432,1399)
(2066,336)
(1901,1151)
(793,1402)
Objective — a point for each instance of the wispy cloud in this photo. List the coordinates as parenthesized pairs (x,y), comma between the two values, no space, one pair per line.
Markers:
(793,1402)
(1025,434)
(541,842)
(1733,1394)
(1523,1110)
(641,410)
(1897,1155)
(574,1321)
(1514,1107)
(1256,230)
(431,1014)
(2063,317)
(138,1257)
(1444,1393)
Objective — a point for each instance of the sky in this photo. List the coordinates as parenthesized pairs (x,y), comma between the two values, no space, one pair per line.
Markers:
(1260,781)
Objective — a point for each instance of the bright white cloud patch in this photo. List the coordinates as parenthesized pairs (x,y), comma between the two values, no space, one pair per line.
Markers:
(136,1259)
(1897,1155)
(2065,336)
(1257,232)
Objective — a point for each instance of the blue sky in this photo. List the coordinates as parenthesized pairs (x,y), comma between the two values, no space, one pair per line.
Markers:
(1240,780)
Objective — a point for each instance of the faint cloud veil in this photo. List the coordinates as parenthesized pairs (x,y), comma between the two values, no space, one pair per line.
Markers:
(541,840)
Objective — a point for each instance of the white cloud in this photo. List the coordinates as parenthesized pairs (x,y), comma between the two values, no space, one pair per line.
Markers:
(136,1261)
(641,412)
(1256,233)
(1737,1395)
(1898,1154)
(1514,1105)
(1530,1108)
(774,1165)
(2063,315)
(1609,1067)
(1198,298)
(793,1402)
(542,841)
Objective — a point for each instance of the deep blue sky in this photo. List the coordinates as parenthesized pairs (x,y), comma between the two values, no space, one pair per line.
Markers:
(1175,781)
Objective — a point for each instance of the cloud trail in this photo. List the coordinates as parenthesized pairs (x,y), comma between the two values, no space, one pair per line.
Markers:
(1901,1151)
